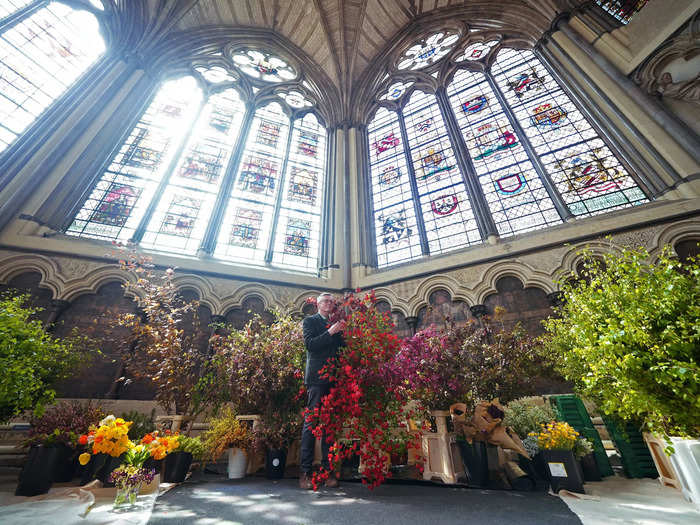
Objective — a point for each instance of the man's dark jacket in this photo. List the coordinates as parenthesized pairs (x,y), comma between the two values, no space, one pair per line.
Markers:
(320,346)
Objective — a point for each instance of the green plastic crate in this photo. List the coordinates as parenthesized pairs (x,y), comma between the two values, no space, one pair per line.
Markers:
(636,458)
(570,409)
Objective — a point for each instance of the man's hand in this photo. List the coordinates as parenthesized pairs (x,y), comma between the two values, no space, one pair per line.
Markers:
(337,327)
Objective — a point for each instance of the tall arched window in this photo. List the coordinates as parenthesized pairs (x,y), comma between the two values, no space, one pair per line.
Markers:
(213,168)
(500,143)
(41,55)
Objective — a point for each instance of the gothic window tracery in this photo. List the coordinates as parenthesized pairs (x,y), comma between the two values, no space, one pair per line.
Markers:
(40,57)
(185,181)
(528,159)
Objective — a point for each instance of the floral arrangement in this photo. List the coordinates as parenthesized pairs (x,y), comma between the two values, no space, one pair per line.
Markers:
(262,367)
(366,411)
(159,445)
(141,424)
(582,447)
(193,445)
(63,422)
(530,445)
(556,435)
(128,479)
(524,417)
(110,437)
(225,432)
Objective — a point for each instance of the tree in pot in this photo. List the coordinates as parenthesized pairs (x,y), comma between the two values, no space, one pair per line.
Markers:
(60,427)
(158,347)
(628,335)
(227,434)
(274,434)
(31,359)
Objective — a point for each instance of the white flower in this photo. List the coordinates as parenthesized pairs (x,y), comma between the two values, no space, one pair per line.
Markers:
(109,419)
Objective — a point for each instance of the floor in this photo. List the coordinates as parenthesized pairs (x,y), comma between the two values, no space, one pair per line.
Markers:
(256,500)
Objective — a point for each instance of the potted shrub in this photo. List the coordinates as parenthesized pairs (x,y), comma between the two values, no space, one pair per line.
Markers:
(627,336)
(33,359)
(177,464)
(557,440)
(262,368)
(158,348)
(583,451)
(227,434)
(274,434)
(60,426)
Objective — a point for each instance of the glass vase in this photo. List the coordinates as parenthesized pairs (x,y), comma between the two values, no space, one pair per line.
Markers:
(126,496)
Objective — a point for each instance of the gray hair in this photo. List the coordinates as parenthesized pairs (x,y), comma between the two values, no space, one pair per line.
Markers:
(324,294)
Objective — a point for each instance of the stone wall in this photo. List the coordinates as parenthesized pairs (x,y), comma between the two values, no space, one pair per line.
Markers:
(83,293)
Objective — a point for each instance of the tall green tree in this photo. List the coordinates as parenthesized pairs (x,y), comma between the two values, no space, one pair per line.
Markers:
(31,359)
(628,336)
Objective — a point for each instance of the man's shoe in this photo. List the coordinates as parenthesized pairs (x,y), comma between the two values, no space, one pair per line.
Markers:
(332,482)
(305,481)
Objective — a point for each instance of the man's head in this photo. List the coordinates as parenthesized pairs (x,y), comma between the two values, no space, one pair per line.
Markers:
(324,302)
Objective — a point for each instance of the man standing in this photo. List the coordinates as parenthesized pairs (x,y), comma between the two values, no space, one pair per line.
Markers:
(322,343)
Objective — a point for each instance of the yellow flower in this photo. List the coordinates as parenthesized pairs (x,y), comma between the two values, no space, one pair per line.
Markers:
(84,458)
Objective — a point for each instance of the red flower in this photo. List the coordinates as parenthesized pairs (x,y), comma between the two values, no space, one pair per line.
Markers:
(83,440)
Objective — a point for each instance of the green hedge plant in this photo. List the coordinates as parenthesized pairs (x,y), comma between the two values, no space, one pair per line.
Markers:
(628,336)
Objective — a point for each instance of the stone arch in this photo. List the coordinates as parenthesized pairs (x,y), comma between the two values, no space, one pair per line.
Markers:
(441,304)
(202,287)
(525,304)
(676,234)
(427,287)
(401,326)
(94,280)
(51,278)
(527,275)
(570,264)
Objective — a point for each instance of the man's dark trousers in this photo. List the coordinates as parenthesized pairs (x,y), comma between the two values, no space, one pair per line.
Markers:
(308,440)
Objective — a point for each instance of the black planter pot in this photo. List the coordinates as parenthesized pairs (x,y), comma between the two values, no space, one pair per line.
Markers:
(536,470)
(65,465)
(155,464)
(590,468)
(37,473)
(475,459)
(176,467)
(100,467)
(275,461)
(563,470)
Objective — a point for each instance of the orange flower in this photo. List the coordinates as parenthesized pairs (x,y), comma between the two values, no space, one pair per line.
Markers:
(83,440)
(147,439)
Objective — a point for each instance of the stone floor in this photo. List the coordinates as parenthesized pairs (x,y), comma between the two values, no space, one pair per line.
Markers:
(255,500)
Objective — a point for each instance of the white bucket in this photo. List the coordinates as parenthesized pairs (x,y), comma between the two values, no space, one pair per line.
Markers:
(237,463)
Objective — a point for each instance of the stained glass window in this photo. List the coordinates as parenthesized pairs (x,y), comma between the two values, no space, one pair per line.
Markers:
(428,51)
(245,232)
(118,202)
(7,7)
(514,192)
(183,211)
(445,207)
(587,174)
(263,66)
(525,163)
(298,235)
(40,57)
(396,230)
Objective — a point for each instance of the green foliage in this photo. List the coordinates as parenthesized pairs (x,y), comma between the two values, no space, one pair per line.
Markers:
(142,423)
(32,360)
(225,431)
(193,445)
(628,336)
(524,417)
